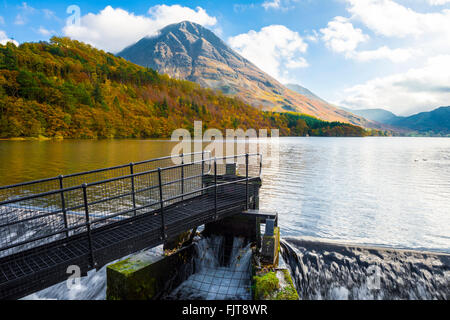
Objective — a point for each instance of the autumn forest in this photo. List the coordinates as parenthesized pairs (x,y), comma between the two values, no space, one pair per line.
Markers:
(68,89)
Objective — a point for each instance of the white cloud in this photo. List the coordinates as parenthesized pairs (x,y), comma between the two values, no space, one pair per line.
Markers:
(395,55)
(271,4)
(341,36)
(282,5)
(25,11)
(44,31)
(114,29)
(388,18)
(438,2)
(418,89)
(164,15)
(275,49)
(4,39)
(49,14)
(423,39)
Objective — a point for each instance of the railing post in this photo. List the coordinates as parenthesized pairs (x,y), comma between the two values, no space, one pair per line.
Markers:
(246,181)
(203,169)
(203,163)
(88,225)
(215,188)
(161,201)
(133,193)
(182,177)
(63,205)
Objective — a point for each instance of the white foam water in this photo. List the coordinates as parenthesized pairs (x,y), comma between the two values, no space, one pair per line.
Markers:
(340,271)
(211,281)
(91,287)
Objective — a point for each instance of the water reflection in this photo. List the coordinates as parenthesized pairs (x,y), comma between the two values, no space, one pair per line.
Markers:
(384,191)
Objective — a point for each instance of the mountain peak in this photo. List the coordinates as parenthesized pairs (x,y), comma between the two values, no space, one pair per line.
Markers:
(189,51)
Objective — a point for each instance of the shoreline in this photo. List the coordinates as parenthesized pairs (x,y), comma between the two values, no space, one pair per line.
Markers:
(42,138)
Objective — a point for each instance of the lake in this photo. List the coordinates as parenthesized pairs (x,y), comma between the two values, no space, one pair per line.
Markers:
(392,192)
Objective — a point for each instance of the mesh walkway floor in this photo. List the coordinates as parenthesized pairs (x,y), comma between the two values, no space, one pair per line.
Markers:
(32,270)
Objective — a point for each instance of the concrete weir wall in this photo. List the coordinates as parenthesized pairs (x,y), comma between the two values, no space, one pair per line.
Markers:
(148,278)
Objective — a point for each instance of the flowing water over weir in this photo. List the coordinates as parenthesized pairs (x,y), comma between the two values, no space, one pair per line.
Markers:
(215,278)
(320,270)
(327,270)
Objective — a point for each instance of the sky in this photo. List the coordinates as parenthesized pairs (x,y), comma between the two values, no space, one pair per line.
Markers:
(359,54)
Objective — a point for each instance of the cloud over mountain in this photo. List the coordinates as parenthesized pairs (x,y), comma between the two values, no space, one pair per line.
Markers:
(275,49)
(113,29)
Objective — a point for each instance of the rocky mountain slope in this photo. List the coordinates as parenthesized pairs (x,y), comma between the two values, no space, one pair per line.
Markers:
(191,52)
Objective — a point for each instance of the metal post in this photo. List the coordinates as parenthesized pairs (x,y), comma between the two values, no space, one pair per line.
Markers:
(161,201)
(182,177)
(63,205)
(203,162)
(133,193)
(246,181)
(215,188)
(203,169)
(88,225)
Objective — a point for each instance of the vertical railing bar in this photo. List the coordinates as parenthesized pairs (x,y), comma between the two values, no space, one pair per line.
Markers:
(161,201)
(133,192)
(246,181)
(215,188)
(203,170)
(203,162)
(88,225)
(182,177)
(63,205)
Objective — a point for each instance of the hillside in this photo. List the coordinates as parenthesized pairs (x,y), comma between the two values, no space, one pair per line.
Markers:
(191,52)
(378,115)
(306,92)
(69,89)
(435,122)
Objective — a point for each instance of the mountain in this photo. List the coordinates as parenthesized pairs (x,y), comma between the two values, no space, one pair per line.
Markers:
(378,115)
(307,93)
(191,52)
(68,89)
(435,122)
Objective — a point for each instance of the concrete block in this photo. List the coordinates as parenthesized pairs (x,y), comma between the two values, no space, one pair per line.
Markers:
(270,248)
(148,277)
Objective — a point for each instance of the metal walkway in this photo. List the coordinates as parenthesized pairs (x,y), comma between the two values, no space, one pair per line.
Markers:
(90,219)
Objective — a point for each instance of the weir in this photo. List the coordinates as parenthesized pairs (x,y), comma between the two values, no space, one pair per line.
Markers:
(93,218)
(229,260)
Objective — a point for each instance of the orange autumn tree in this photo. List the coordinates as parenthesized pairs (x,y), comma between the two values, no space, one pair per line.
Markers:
(65,88)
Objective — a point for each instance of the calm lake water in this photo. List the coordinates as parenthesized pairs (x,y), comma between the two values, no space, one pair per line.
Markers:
(391,192)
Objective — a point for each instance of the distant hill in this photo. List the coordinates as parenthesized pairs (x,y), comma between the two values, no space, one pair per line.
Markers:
(68,89)
(189,51)
(435,122)
(378,115)
(432,122)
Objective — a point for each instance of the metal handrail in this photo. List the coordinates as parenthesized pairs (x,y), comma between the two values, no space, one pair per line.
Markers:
(99,170)
(84,187)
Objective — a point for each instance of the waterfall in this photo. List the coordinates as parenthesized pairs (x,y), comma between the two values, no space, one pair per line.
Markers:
(212,280)
(331,271)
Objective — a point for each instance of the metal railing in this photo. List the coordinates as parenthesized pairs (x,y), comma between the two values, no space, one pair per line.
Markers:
(30,220)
